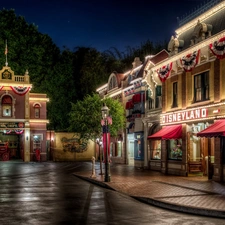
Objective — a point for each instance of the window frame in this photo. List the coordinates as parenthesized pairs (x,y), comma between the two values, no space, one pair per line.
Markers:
(201,87)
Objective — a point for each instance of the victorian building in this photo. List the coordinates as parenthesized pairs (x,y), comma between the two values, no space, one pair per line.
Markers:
(192,134)
(22,118)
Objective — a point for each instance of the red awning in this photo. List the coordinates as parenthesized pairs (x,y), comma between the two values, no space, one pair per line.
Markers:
(215,130)
(129,105)
(168,132)
(136,98)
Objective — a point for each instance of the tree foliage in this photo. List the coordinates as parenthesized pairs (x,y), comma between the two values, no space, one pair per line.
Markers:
(65,76)
(85,116)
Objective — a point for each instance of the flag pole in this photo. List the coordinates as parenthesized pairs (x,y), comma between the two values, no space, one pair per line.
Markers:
(6,52)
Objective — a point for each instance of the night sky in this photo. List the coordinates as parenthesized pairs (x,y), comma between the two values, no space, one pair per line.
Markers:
(103,24)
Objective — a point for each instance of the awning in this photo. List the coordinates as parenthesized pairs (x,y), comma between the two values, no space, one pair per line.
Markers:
(168,132)
(215,130)
(129,105)
(136,98)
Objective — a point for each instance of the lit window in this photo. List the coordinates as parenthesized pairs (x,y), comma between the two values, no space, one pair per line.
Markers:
(174,95)
(7,106)
(201,87)
(112,83)
(175,149)
(37,111)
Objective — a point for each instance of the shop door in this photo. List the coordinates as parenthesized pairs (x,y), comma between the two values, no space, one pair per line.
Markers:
(210,157)
(131,152)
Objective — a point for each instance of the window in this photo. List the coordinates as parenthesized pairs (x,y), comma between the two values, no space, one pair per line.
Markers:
(150,103)
(201,87)
(156,149)
(119,149)
(37,140)
(174,95)
(7,106)
(112,83)
(158,97)
(175,149)
(36,111)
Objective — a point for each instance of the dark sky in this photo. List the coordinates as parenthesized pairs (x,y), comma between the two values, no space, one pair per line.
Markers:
(103,24)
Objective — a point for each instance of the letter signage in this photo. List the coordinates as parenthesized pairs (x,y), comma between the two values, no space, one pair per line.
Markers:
(184,115)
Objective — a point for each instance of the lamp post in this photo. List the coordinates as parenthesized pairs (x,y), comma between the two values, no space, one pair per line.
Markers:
(105,114)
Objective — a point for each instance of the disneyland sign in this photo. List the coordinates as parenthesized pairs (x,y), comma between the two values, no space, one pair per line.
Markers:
(186,115)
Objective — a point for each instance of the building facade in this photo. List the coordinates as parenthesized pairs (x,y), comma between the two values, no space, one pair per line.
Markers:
(193,99)
(22,118)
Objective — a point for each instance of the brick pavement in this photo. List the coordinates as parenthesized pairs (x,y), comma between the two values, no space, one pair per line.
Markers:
(195,195)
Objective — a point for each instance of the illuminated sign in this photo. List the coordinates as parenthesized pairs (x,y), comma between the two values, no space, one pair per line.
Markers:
(12,125)
(184,115)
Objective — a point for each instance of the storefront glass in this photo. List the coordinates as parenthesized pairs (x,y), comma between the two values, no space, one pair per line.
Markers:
(175,149)
(156,149)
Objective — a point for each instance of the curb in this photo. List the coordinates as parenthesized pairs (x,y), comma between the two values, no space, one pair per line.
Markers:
(162,204)
(182,208)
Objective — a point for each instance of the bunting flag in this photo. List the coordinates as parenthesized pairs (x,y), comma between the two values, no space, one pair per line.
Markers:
(106,142)
(20,90)
(6,52)
(1,87)
(8,131)
(189,61)
(218,48)
(6,48)
(19,131)
(164,72)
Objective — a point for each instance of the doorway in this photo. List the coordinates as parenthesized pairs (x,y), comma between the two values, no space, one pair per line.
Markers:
(130,149)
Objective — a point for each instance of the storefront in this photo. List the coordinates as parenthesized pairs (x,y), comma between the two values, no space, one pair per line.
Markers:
(23,123)
(191,142)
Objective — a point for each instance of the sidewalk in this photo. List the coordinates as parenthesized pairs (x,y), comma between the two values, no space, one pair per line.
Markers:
(194,195)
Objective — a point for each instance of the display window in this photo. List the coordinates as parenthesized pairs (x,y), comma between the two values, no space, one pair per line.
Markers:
(156,149)
(175,149)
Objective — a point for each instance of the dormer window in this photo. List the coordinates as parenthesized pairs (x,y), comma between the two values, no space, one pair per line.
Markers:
(7,106)
(113,82)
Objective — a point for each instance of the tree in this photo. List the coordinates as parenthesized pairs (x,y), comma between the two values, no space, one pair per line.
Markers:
(85,116)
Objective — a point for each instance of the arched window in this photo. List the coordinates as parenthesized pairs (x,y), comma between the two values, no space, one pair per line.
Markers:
(112,82)
(7,106)
(36,111)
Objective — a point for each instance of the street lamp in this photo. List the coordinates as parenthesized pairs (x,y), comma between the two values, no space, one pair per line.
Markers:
(106,135)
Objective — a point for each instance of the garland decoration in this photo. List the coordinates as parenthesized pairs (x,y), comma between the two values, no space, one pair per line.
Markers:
(20,90)
(19,131)
(189,61)
(218,48)
(164,72)
(8,131)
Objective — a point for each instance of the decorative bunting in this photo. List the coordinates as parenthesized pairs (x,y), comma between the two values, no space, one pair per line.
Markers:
(1,87)
(19,131)
(164,72)
(20,90)
(189,61)
(8,131)
(218,48)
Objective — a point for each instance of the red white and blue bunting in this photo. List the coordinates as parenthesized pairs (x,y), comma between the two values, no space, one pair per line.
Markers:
(20,90)
(18,131)
(218,48)
(189,61)
(1,87)
(164,72)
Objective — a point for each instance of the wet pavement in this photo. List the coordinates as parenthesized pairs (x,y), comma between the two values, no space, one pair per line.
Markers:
(50,194)
(196,195)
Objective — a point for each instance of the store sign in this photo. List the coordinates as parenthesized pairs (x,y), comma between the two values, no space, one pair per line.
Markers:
(185,115)
(12,125)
